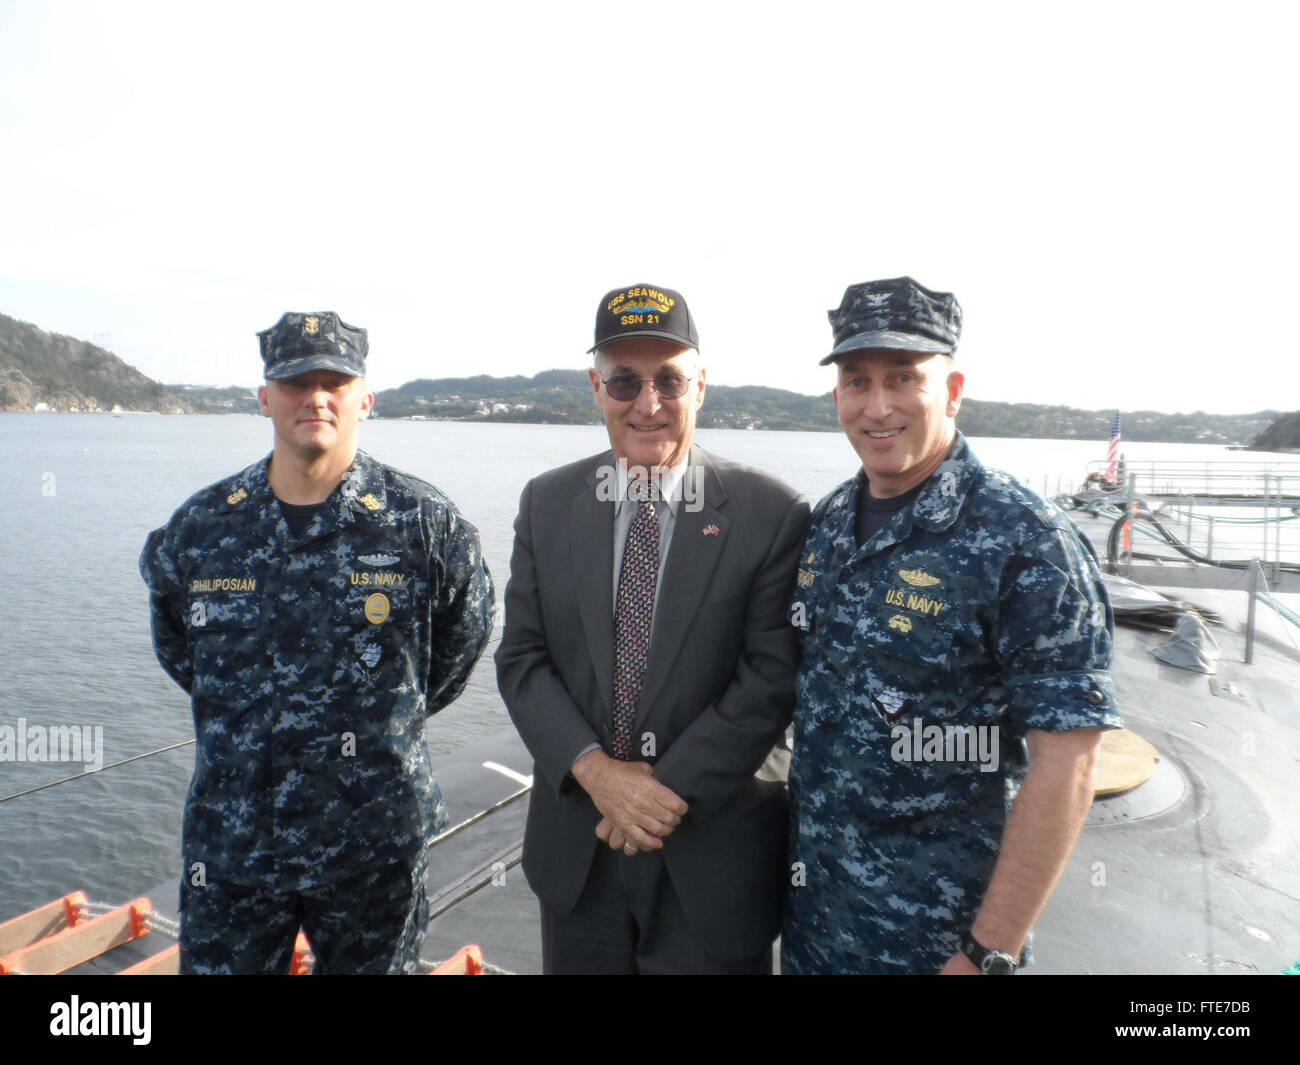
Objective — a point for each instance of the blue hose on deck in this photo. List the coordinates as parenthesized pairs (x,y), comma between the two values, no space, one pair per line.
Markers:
(1285,611)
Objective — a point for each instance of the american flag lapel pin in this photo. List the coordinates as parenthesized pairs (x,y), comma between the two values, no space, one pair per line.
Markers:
(711,530)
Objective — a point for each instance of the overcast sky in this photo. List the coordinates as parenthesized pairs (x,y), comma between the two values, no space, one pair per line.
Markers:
(1109,188)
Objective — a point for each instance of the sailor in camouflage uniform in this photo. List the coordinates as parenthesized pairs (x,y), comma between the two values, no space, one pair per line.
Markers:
(956,645)
(318,607)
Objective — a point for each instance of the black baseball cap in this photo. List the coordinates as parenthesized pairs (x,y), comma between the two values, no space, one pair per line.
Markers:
(898,314)
(299,343)
(644,311)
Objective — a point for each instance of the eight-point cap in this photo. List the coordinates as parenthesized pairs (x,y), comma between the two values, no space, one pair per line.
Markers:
(897,314)
(299,343)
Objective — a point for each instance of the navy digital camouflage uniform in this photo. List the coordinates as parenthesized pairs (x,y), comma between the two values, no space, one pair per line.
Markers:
(313,662)
(976,604)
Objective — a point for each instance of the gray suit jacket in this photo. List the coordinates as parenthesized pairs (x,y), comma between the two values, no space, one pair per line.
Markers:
(718,691)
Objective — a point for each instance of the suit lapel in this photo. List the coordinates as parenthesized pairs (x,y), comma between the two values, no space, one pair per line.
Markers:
(699,538)
(591,558)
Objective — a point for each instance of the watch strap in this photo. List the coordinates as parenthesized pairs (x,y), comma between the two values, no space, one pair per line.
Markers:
(988,961)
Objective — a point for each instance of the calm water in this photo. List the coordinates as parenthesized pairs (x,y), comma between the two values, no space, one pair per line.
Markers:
(81,492)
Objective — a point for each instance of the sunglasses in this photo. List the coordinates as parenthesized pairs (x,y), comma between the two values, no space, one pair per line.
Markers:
(668,385)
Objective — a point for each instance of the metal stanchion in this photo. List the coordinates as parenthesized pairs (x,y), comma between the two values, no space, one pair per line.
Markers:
(1255,577)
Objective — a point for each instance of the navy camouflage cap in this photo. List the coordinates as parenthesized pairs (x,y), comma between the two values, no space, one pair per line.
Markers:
(644,311)
(898,314)
(300,343)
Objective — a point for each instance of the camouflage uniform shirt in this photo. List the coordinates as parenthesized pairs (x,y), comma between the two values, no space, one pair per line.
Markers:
(976,605)
(312,662)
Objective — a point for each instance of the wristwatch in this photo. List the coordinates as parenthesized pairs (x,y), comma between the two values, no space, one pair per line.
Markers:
(989,962)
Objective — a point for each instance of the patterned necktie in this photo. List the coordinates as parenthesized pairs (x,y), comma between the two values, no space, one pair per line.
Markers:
(633,610)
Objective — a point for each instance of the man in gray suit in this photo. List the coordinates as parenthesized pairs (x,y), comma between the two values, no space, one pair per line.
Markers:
(649,667)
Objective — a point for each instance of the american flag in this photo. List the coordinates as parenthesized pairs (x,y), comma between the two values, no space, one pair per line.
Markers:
(1112,451)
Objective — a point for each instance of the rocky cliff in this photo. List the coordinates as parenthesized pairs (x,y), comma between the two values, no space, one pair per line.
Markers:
(47,371)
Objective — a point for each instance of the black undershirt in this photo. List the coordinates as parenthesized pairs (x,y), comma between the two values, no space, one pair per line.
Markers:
(298,515)
(874,514)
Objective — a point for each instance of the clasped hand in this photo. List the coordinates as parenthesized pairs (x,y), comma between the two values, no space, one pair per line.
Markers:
(635,808)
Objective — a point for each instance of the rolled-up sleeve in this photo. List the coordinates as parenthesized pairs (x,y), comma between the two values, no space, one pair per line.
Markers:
(463,612)
(1055,637)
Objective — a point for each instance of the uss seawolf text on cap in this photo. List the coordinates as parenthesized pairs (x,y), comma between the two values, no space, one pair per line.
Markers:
(644,311)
